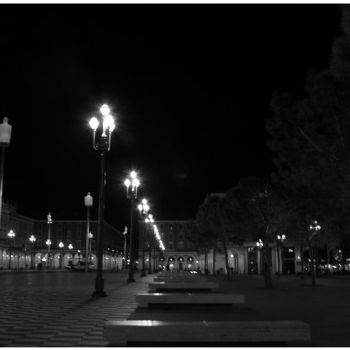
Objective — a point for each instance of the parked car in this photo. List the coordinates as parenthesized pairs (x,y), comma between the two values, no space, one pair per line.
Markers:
(80,266)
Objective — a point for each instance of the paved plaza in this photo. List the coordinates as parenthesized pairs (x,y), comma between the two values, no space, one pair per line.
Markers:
(56,309)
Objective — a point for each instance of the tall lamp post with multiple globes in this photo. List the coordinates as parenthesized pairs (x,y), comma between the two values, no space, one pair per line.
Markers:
(5,137)
(132,183)
(143,208)
(124,253)
(32,240)
(102,144)
(280,239)
(88,201)
(260,245)
(10,235)
(61,246)
(314,228)
(48,242)
(149,220)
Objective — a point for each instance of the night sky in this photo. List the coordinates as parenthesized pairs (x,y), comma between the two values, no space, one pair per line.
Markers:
(189,85)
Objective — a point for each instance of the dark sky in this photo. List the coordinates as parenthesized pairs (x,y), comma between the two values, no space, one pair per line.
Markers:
(190,86)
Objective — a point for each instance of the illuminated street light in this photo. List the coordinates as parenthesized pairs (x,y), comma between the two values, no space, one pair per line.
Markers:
(279,239)
(88,201)
(132,184)
(5,138)
(61,246)
(10,235)
(124,257)
(48,242)
(102,146)
(143,208)
(259,243)
(314,227)
(32,240)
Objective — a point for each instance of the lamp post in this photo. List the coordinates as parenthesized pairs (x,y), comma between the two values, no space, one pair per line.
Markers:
(10,235)
(280,239)
(124,254)
(143,208)
(132,183)
(61,246)
(70,247)
(88,201)
(32,240)
(149,220)
(314,228)
(260,245)
(91,236)
(48,242)
(102,146)
(150,252)
(5,137)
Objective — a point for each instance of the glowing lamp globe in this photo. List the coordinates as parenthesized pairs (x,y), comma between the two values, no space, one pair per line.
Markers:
(94,123)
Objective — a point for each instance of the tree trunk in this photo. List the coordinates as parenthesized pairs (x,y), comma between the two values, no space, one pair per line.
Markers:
(313,270)
(267,266)
(214,257)
(226,262)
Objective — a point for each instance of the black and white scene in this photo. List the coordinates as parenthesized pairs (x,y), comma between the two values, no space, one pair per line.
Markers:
(174,175)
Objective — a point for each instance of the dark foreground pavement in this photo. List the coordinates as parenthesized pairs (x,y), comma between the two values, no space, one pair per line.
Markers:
(56,309)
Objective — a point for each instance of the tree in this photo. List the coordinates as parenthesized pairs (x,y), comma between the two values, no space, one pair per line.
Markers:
(215,216)
(308,136)
(261,215)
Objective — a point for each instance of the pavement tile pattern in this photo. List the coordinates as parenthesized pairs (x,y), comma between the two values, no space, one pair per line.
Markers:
(52,310)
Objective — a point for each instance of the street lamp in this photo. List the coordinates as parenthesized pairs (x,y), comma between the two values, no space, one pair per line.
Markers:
(32,240)
(151,222)
(102,146)
(260,245)
(70,247)
(280,239)
(91,236)
(88,200)
(61,246)
(10,235)
(124,257)
(314,228)
(143,208)
(48,242)
(5,137)
(131,183)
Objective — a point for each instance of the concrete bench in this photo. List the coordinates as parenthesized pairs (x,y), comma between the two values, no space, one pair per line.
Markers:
(179,279)
(166,274)
(144,299)
(154,286)
(122,332)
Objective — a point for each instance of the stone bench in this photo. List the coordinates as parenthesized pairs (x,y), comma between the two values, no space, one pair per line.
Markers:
(253,333)
(169,274)
(154,286)
(144,299)
(178,279)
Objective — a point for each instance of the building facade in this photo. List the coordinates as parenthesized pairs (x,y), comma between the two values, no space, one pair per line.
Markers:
(181,254)
(19,252)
